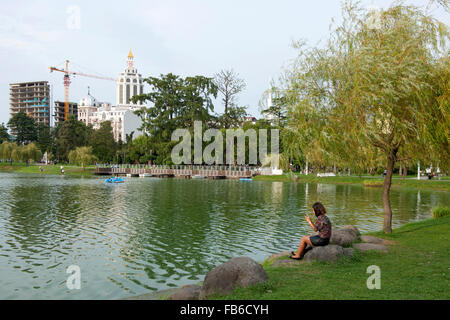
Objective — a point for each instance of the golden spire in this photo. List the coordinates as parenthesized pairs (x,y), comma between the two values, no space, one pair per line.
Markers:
(130,55)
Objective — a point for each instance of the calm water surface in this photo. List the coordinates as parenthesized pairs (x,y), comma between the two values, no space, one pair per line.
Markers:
(152,234)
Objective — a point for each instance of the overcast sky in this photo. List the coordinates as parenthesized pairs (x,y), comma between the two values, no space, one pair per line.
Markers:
(183,37)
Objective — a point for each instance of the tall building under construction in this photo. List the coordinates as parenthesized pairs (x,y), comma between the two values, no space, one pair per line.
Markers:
(59,111)
(33,98)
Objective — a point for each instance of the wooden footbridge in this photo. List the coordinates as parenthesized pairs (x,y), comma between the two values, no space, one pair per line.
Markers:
(179,171)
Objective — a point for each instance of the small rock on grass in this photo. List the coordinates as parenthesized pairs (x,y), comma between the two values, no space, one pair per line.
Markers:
(275,256)
(372,239)
(370,246)
(188,292)
(287,263)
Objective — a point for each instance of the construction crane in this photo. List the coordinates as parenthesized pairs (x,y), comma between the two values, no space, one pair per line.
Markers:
(67,74)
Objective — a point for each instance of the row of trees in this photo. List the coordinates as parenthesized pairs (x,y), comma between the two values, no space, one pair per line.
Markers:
(59,141)
(176,102)
(10,151)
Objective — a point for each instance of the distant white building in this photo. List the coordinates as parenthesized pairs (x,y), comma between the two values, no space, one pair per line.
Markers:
(87,107)
(267,115)
(122,117)
(123,120)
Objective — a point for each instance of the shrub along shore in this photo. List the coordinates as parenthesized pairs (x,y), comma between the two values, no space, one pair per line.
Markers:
(415,267)
(409,182)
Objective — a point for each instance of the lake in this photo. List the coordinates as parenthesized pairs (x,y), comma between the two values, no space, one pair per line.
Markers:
(151,234)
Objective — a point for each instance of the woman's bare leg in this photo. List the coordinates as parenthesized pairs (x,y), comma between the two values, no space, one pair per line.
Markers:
(305,241)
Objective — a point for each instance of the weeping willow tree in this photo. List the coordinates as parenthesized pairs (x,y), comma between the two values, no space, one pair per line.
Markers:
(82,156)
(374,92)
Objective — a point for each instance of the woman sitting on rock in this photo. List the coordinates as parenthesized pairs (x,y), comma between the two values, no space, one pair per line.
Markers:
(322,225)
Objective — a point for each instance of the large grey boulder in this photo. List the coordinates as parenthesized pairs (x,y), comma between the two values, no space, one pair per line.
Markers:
(237,272)
(328,253)
(344,236)
(188,292)
(325,253)
(352,228)
(370,246)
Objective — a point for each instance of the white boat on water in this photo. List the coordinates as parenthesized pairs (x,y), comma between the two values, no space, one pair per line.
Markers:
(198,176)
(144,175)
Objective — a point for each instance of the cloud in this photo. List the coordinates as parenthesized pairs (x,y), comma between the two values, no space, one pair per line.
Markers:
(15,34)
(174,20)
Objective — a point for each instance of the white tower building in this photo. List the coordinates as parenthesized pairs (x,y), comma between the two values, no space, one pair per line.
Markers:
(129,84)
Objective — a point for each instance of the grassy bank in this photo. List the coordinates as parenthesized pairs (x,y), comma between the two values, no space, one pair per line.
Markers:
(46,169)
(416,267)
(396,182)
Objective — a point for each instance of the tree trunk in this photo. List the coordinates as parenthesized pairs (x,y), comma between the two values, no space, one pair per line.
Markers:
(386,191)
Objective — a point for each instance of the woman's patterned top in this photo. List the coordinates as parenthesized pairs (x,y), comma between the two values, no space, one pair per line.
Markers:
(323,226)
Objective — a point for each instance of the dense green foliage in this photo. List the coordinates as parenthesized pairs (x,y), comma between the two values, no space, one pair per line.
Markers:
(102,143)
(44,138)
(138,150)
(6,149)
(441,211)
(82,156)
(176,102)
(69,135)
(23,127)
(4,136)
(24,153)
(57,142)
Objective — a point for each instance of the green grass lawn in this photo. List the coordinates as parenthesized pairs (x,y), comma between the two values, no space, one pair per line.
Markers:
(417,266)
(396,181)
(47,169)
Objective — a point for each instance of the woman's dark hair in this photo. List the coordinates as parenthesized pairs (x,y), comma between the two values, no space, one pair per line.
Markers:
(319,209)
